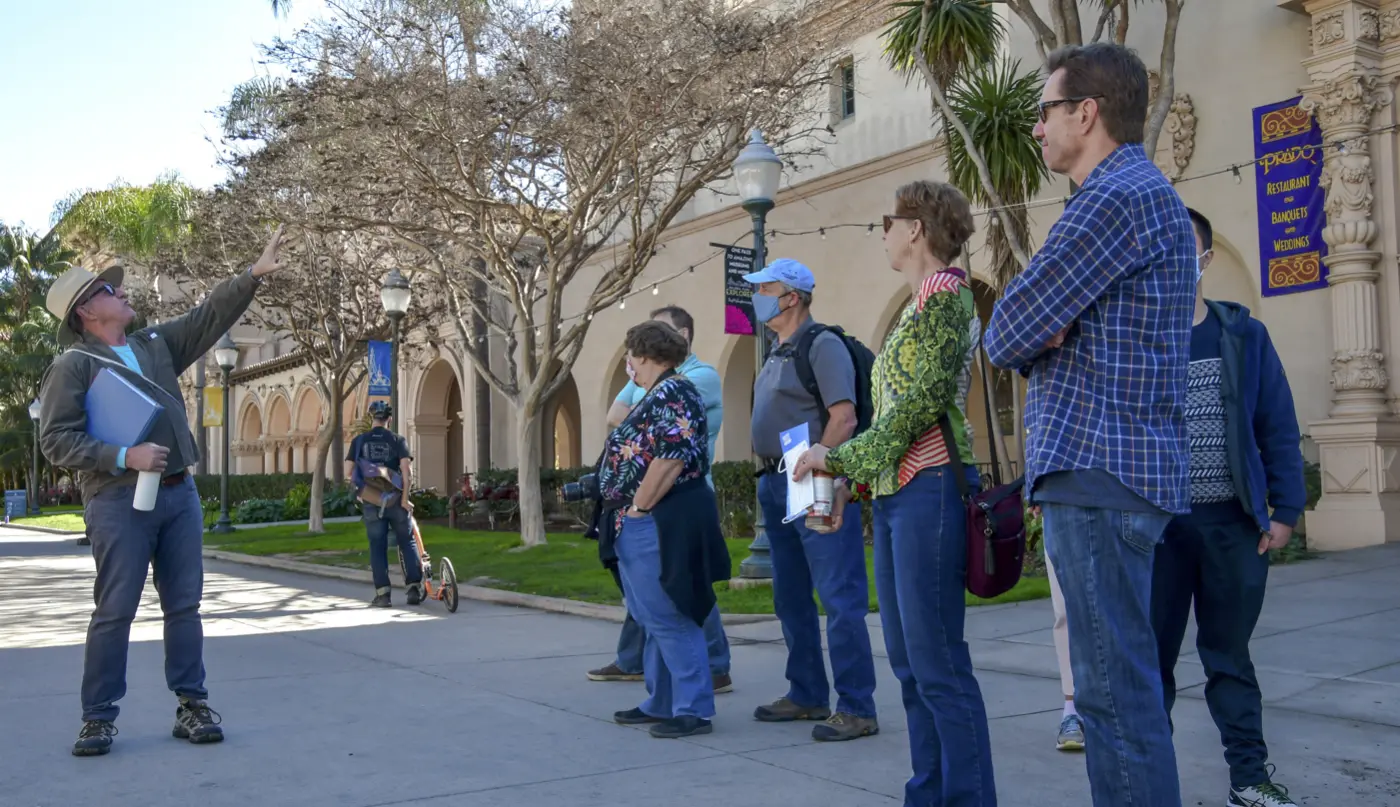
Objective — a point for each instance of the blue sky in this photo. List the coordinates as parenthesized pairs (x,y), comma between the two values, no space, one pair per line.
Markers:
(100,90)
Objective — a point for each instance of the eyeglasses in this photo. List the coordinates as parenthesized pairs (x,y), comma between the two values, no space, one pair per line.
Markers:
(100,288)
(1046,106)
(890,220)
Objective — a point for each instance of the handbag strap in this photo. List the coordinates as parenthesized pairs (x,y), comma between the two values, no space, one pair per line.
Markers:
(989,394)
(959,471)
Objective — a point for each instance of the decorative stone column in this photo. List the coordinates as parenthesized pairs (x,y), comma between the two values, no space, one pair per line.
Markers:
(1360,440)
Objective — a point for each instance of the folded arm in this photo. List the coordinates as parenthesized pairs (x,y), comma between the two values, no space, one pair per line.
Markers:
(939,341)
(1089,249)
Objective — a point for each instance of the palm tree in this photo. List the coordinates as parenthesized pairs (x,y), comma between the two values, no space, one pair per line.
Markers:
(946,41)
(136,222)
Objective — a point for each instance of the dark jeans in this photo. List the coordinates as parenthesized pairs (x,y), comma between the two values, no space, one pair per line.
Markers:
(1212,557)
(833,564)
(378,530)
(920,576)
(125,541)
(1103,559)
(632,640)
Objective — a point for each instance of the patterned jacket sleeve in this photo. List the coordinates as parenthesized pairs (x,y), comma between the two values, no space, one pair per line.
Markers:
(932,358)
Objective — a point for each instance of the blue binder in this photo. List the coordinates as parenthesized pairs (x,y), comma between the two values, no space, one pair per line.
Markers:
(117,412)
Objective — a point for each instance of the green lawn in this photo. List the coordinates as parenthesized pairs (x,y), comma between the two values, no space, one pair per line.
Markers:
(56,519)
(566,567)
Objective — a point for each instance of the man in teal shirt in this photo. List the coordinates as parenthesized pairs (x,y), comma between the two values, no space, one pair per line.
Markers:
(628,665)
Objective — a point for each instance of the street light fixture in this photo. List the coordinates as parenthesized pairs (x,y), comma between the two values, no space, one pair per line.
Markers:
(226,356)
(395,296)
(757,172)
(34,496)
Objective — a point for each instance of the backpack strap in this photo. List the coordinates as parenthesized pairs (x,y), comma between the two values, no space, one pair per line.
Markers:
(802,352)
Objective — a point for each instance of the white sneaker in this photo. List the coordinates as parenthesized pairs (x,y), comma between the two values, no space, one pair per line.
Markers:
(1265,795)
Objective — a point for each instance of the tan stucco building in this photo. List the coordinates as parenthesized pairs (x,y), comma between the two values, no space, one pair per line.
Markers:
(1338,343)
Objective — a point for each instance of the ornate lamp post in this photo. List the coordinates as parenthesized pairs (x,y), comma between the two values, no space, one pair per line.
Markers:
(395,296)
(226,356)
(757,171)
(34,494)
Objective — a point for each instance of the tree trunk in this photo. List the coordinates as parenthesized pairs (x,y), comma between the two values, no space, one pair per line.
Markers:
(482,387)
(1166,86)
(316,520)
(528,477)
(337,429)
(1018,419)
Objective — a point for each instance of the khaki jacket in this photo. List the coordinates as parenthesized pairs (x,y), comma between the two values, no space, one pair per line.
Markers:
(163,351)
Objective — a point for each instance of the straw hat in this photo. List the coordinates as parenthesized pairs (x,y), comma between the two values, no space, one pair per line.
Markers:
(72,286)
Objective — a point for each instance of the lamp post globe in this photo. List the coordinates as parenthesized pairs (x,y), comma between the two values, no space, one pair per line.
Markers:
(757,173)
(34,408)
(226,356)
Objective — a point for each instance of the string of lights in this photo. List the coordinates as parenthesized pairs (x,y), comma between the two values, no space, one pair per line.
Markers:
(1234,169)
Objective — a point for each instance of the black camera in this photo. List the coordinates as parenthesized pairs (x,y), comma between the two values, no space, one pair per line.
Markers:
(585,489)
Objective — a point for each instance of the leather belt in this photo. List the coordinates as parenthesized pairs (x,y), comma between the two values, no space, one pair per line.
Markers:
(175,479)
(767,466)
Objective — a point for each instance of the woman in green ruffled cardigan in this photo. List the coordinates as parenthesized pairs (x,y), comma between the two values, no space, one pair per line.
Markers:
(903,461)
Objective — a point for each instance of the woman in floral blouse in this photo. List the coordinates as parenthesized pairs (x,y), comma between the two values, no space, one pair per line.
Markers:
(669,545)
(920,523)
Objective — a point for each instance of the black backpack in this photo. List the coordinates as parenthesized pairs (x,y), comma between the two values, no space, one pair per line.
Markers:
(863,359)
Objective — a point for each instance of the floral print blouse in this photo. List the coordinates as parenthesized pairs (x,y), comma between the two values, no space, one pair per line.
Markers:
(668,424)
(914,383)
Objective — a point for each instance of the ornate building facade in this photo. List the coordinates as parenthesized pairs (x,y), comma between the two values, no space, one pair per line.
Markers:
(1338,341)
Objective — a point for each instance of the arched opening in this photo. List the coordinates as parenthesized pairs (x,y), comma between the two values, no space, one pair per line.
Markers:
(738,362)
(279,428)
(249,433)
(437,422)
(1227,278)
(562,433)
(308,421)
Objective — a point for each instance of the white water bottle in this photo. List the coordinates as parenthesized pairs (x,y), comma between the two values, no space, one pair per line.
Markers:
(147,486)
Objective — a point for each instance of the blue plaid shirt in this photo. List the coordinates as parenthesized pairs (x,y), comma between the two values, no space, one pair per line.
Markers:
(1118,270)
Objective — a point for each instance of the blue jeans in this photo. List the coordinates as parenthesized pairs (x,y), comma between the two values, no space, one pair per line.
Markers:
(833,564)
(920,576)
(124,542)
(675,660)
(631,642)
(1212,557)
(377,528)
(1103,559)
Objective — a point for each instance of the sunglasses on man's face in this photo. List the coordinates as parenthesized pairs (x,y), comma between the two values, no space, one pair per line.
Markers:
(100,289)
(890,220)
(1046,106)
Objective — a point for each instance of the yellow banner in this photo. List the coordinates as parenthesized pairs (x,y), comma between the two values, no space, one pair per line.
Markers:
(213,406)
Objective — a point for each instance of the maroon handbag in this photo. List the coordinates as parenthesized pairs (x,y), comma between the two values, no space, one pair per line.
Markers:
(996,521)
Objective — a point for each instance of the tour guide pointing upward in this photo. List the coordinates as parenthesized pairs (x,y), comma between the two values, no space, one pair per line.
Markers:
(94,313)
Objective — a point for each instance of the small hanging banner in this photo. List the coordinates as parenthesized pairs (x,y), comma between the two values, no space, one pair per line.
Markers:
(1291,199)
(214,406)
(379,368)
(738,293)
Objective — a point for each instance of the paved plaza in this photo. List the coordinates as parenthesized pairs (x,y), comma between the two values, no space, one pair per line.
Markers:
(327,702)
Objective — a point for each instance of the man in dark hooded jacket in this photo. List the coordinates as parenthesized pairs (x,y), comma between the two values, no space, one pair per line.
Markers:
(1247,493)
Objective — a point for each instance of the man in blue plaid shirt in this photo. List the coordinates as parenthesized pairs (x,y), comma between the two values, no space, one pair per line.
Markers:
(1100,322)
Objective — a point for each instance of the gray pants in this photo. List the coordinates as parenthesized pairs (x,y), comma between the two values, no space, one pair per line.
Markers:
(124,542)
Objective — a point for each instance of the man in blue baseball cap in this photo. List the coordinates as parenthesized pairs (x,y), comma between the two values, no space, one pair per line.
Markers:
(810,377)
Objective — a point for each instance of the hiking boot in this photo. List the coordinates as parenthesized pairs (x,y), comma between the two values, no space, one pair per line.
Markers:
(381,598)
(196,722)
(612,672)
(415,593)
(1071,737)
(1265,795)
(783,710)
(94,738)
(634,717)
(684,726)
(844,726)
(723,683)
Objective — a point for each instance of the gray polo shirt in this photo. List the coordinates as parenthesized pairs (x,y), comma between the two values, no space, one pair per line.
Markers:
(780,402)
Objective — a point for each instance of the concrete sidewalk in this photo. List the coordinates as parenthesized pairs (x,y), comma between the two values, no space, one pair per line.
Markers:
(327,702)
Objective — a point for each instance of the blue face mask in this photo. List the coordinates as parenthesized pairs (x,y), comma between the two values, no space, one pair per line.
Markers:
(766,308)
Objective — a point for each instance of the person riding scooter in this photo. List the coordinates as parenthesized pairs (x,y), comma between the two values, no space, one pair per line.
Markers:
(380,465)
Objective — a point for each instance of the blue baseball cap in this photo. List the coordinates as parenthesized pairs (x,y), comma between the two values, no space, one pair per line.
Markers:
(785,270)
